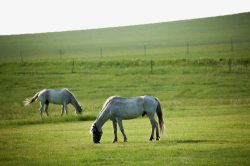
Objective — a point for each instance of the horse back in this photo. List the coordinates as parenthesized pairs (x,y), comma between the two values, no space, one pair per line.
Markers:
(54,96)
(127,108)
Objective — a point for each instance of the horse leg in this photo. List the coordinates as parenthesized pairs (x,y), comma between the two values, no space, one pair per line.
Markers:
(157,132)
(46,108)
(115,130)
(154,125)
(66,109)
(62,110)
(122,130)
(41,109)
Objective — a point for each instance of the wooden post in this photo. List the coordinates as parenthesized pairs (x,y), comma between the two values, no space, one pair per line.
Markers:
(232,46)
(61,52)
(151,66)
(21,56)
(145,50)
(73,66)
(187,47)
(101,52)
(230,64)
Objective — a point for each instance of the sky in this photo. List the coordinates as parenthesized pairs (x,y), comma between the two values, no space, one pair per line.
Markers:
(38,16)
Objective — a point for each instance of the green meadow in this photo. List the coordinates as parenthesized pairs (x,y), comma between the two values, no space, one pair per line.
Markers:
(199,69)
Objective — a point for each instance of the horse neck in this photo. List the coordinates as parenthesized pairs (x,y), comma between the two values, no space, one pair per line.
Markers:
(103,117)
(74,102)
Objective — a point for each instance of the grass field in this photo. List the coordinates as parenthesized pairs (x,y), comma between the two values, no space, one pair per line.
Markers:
(204,37)
(200,76)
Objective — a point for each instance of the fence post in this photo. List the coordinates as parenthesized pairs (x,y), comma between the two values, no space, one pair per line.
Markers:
(151,66)
(60,53)
(73,66)
(21,56)
(145,50)
(230,64)
(232,46)
(187,47)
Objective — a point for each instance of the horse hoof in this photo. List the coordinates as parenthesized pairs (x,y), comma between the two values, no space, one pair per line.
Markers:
(114,141)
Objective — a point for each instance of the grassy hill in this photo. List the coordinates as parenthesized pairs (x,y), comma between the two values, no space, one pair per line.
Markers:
(159,39)
(199,69)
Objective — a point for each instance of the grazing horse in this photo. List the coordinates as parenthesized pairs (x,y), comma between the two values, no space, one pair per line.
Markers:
(117,108)
(62,97)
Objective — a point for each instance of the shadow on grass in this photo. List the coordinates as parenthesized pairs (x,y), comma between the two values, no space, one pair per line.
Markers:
(193,141)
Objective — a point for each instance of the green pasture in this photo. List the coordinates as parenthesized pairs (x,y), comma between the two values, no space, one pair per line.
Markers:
(200,73)
(200,37)
(202,137)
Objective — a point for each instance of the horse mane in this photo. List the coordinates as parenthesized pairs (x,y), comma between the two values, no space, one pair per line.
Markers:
(105,105)
(108,100)
(72,95)
(66,89)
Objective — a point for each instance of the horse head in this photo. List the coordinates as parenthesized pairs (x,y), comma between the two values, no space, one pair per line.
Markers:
(79,110)
(96,133)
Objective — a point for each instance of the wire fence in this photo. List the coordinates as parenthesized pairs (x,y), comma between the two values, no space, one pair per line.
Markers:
(159,48)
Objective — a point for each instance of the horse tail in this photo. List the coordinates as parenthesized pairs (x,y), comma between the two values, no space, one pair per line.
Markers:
(160,116)
(31,100)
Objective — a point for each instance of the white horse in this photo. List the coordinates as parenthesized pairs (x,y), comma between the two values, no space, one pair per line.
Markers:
(62,97)
(118,108)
